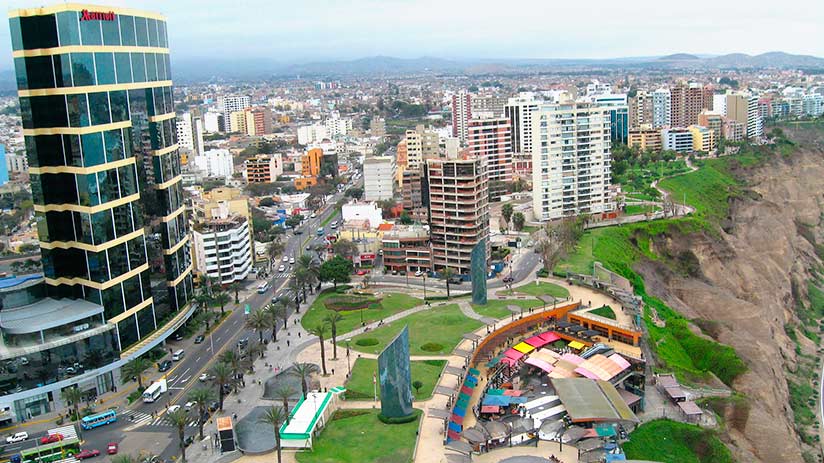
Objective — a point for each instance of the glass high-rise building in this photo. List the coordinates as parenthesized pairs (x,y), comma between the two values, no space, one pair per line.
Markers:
(95,93)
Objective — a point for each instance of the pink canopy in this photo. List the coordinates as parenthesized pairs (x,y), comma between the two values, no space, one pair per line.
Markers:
(490,409)
(513,354)
(542,364)
(572,358)
(586,373)
(512,392)
(537,341)
(466,390)
(509,361)
(620,361)
(550,336)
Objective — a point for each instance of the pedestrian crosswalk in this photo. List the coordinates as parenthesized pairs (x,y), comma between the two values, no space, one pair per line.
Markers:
(145,419)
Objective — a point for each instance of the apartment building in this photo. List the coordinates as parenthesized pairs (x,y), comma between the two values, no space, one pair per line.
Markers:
(519,111)
(222,246)
(215,163)
(703,139)
(264,168)
(461,114)
(458,200)
(640,109)
(491,140)
(571,161)
(185,132)
(229,104)
(678,139)
(237,122)
(412,195)
(492,104)
(688,100)
(421,144)
(645,138)
(378,178)
(743,107)
(406,248)
(258,120)
(311,164)
(713,121)
(618,114)
(661,108)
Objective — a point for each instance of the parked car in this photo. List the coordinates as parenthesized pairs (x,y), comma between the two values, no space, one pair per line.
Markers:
(508,280)
(17,437)
(214,406)
(88,453)
(418,273)
(291,260)
(51,438)
(455,280)
(298,231)
(362,272)
(111,449)
(164,366)
(199,339)
(190,405)
(188,441)
(173,408)
(178,337)
(313,215)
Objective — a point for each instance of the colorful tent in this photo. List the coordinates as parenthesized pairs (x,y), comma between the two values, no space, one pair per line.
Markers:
(542,364)
(523,347)
(514,354)
(490,409)
(537,341)
(577,345)
(550,336)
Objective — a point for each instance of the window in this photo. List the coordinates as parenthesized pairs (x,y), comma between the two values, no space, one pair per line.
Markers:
(111,32)
(16,35)
(99,108)
(152,26)
(73,153)
(63,70)
(119,105)
(161,34)
(151,67)
(138,67)
(92,149)
(113,140)
(90,33)
(123,66)
(43,111)
(142,31)
(68,28)
(38,72)
(127,30)
(44,150)
(82,69)
(38,31)
(102,227)
(104,63)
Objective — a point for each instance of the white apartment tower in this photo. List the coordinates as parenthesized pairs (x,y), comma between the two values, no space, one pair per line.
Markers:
(461,114)
(661,108)
(755,123)
(378,178)
(198,136)
(230,104)
(571,161)
(185,138)
(519,110)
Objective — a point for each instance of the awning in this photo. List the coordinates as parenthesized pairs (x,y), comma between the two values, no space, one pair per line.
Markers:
(586,373)
(474,435)
(513,392)
(473,371)
(471,337)
(537,341)
(576,345)
(509,361)
(514,354)
(456,458)
(443,390)
(575,328)
(523,347)
(496,400)
(48,313)
(689,408)
(438,413)
(462,353)
(550,336)
(450,370)
(572,358)
(620,361)
(490,409)
(466,390)
(493,391)
(514,308)
(453,435)
(543,365)
(459,446)
(457,419)
(495,360)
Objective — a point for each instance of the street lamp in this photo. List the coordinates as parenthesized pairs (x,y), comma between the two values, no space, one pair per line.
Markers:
(424,285)
(348,364)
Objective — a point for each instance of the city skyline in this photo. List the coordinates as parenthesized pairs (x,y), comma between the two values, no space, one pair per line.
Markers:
(321,31)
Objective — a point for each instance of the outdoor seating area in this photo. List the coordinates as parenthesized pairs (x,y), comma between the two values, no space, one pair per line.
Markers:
(455,424)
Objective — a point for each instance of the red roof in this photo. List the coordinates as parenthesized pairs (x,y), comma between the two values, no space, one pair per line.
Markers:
(385,227)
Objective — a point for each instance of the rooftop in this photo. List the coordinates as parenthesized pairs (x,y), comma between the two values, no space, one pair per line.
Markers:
(45,314)
(589,400)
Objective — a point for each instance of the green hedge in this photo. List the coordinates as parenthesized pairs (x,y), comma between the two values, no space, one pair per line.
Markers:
(366,342)
(431,347)
(398,420)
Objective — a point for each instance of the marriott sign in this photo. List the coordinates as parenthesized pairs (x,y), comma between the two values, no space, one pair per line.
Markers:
(87,15)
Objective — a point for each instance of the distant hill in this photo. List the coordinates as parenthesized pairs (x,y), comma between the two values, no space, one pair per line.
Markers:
(679,57)
(774,59)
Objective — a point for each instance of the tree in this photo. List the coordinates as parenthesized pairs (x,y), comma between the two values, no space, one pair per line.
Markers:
(223,377)
(274,417)
(320,331)
(518,221)
(506,212)
(446,274)
(284,392)
(254,349)
(259,320)
(305,279)
(345,248)
(355,192)
(221,299)
(310,265)
(235,362)
(179,419)
(235,288)
(337,270)
(417,385)
(72,396)
(366,280)
(202,396)
(332,318)
(405,219)
(274,248)
(295,288)
(277,310)
(386,206)
(302,371)
(124,458)
(135,369)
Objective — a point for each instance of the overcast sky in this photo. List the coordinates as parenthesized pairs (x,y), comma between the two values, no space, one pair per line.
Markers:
(309,30)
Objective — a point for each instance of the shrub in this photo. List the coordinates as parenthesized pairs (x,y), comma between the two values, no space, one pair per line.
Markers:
(397,420)
(366,342)
(436,298)
(432,347)
(542,273)
(344,414)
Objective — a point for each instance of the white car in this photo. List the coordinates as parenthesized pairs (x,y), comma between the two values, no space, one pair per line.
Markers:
(292,260)
(173,408)
(282,268)
(205,377)
(418,273)
(285,258)
(313,216)
(17,437)
(190,405)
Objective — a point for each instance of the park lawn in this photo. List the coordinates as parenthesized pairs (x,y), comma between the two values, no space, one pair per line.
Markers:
(632,209)
(442,325)
(391,303)
(604,311)
(708,189)
(496,308)
(543,289)
(673,442)
(360,385)
(362,439)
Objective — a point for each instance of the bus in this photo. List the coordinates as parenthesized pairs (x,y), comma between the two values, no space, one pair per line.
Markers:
(93,421)
(154,391)
(57,451)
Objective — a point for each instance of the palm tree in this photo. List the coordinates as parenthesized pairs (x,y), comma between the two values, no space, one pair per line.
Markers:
(135,369)
(223,376)
(284,392)
(124,458)
(320,331)
(72,396)
(235,287)
(274,248)
(255,349)
(295,288)
(304,279)
(274,417)
(204,301)
(276,310)
(305,261)
(446,274)
(366,280)
(302,371)
(179,419)
(221,299)
(332,318)
(202,396)
(232,358)
(259,320)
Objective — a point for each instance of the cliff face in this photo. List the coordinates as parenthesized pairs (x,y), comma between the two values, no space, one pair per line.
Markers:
(745,283)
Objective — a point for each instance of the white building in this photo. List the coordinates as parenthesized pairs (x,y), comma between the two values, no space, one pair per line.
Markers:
(17,163)
(229,235)
(363,211)
(185,134)
(677,139)
(230,104)
(461,113)
(719,104)
(212,121)
(519,110)
(336,126)
(314,133)
(661,108)
(215,163)
(755,123)
(571,161)
(199,136)
(378,178)
(598,88)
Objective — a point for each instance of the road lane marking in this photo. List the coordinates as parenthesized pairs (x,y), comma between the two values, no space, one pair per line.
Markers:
(185,379)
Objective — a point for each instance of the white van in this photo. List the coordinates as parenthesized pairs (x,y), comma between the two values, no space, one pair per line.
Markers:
(178,355)
(262,288)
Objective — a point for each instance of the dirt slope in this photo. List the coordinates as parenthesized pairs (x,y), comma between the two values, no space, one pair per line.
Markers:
(745,285)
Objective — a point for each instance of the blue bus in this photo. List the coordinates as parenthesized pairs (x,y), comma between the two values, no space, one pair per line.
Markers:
(93,421)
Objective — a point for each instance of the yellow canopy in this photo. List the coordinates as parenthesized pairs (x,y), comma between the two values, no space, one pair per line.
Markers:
(523,347)
(574,345)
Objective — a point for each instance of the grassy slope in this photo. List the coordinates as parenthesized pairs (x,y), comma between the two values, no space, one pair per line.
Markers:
(543,289)
(391,303)
(360,383)
(363,439)
(673,442)
(444,325)
(496,308)
(605,311)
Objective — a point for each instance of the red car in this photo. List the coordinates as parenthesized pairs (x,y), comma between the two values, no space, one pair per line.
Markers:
(111,449)
(88,453)
(50,439)
(362,272)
